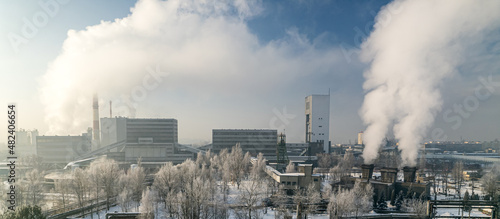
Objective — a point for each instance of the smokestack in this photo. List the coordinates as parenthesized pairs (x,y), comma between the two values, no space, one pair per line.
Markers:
(389,175)
(367,171)
(409,173)
(95,107)
(110,109)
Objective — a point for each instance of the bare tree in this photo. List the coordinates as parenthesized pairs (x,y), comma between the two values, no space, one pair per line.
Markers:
(34,187)
(356,201)
(458,175)
(238,164)
(489,183)
(259,168)
(147,205)
(341,203)
(137,178)
(94,175)
(124,199)
(166,183)
(417,206)
(282,201)
(336,173)
(62,186)
(110,173)
(251,193)
(363,198)
(79,185)
(306,200)
(347,163)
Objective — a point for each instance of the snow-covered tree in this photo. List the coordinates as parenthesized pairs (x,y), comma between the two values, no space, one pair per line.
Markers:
(238,164)
(363,197)
(137,178)
(62,186)
(94,176)
(489,183)
(307,199)
(341,203)
(124,199)
(166,183)
(110,174)
(258,170)
(416,206)
(79,185)
(251,193)
(34,187)
(147,205)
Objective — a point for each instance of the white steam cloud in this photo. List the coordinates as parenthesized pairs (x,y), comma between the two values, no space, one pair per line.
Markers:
(414,46)
(203,47)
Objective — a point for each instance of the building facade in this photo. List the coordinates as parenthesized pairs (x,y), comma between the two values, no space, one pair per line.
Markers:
(318,120)
(254,141)
(152,140)
(60,150)
(135,130)
(26,142)
(360,138)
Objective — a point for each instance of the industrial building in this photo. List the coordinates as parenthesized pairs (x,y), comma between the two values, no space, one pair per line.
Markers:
(318,120)
(360,138)
(59,150)
(151,139)
(26,142)
(292,181)
(388,184)
(459,147)
(253,141)
(132,130)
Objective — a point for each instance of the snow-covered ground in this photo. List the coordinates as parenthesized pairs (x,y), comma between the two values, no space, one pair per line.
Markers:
(234,193)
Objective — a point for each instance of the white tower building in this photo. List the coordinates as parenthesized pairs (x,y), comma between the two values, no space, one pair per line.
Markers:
(318,120)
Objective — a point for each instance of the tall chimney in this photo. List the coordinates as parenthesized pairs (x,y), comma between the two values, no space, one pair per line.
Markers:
(95,107)
(367,171)
(110,109)
(409,173)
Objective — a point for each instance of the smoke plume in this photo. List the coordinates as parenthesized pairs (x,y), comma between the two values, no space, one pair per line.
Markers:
(414,47)
(193,48)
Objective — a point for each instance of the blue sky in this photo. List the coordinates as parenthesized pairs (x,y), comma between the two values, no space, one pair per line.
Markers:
(295,30)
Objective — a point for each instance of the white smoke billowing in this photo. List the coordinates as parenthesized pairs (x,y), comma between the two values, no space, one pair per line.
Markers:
(205,47)
(411,54)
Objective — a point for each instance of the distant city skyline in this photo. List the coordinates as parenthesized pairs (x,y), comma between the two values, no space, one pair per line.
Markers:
(237,66)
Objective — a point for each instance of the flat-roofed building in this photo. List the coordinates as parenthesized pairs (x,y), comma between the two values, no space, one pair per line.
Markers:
(151,139)
(291,181)
(254,141)
(59,150)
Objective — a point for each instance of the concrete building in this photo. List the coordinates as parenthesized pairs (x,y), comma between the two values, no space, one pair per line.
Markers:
(251,140)
(360,138)
(318,120)
(59,150)
(26,142)
(152,140)
(134,130)
(388,184)
(292,181)
(459,147)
